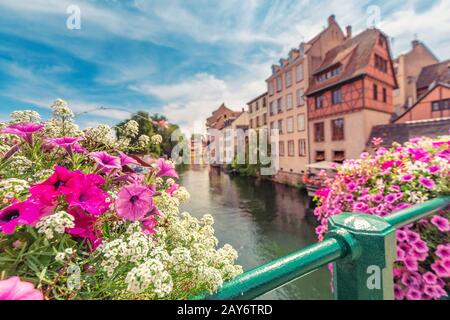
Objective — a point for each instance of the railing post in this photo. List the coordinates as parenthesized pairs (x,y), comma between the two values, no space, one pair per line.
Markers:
(366,271)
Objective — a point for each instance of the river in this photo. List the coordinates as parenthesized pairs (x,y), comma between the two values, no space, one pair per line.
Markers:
(260,219)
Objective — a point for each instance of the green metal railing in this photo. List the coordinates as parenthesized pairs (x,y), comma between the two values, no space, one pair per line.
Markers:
(361,247)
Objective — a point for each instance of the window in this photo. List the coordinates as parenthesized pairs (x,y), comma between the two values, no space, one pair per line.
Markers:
(320,101)
(290,124)
(280,105)
(251,123)
(338,156)
(410,102)
(250,109)
(396,92)
(319,132)
(328,74)
(300,97)
(375,92)
(270,84)
(320,156)
(440,105)
(301,122)
(380,63)
(336,96)
(302,148)
(279,84)
(256,105)
(272,125)
(291,148)
(299,73)
(288,78)
(337,129)
(280,126)
(271,109)
(264,118)
(289,102)
(384,95)
(257,122)
(264,102)
(281,148)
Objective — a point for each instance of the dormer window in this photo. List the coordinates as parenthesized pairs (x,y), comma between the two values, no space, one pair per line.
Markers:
(328,74)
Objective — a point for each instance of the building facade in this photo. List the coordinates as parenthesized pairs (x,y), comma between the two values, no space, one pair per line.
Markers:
(407,68)
(257,110)
(350,92)
(286,103)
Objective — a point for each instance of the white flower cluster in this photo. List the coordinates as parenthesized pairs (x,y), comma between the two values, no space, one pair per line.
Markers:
(131,129)
(62,256)
(20,164)
(13,188)
(150,275)
(144,140)
(23,116)
(57,127)
(100,134)
(182,257)
(166,204)
(55,223)
(61,109)
(181,194)
(156,139)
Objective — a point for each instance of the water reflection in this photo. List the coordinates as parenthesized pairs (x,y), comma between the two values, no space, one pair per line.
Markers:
(262,220)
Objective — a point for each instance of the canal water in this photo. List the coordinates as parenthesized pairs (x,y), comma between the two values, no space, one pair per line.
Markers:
(262,220)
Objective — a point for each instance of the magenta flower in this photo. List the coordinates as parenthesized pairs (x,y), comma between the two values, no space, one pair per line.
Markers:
(351,187)
(148,225)
(390,198)
(443,251)
(15,289)
(85,227)
(427,183)
(54,186)
(441,223)
(413,294)
(420,246)
(166,169)
(85,194)
(24,130)
(106,161)
(377,141)
(407,178)
(67,143)
(429,278)
(134,202)
(400,235)
(411,263)
(440,269)
(174,187)
(412,236)
(125,160)
(18,213)
(399,292)
(377,198)
(434,169)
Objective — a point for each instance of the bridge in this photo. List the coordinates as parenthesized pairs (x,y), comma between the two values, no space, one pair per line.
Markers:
(361,247)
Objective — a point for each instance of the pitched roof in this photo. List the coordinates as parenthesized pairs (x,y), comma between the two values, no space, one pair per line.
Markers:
(353,54)
(418,102)
(403,132)
(439,72)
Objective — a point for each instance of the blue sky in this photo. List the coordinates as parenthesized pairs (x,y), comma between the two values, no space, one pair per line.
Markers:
(179,58)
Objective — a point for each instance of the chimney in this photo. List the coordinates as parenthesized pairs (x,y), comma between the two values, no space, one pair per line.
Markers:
(331,19)
(415,43)
(349,32)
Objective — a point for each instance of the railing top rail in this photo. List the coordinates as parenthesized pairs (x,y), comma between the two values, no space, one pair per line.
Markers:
(404,217)
(279,272)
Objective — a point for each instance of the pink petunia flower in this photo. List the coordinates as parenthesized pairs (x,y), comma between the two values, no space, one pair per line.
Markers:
(441,223)
(126,160)
(399,292)
(54,186)
(24,130)
(148,225)
(18,213)
(427,183)
(429,278)
(67,143)
(411,263)
(166,169)
(85,227)
(15,289)
(174,187)
(106,161)
(134,202)
(440,269)
(443,251)
(434,169)
(407,178)
(413,294)
(86,195)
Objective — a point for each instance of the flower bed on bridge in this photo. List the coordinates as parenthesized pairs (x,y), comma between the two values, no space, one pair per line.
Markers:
(391,180)
(81,219)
